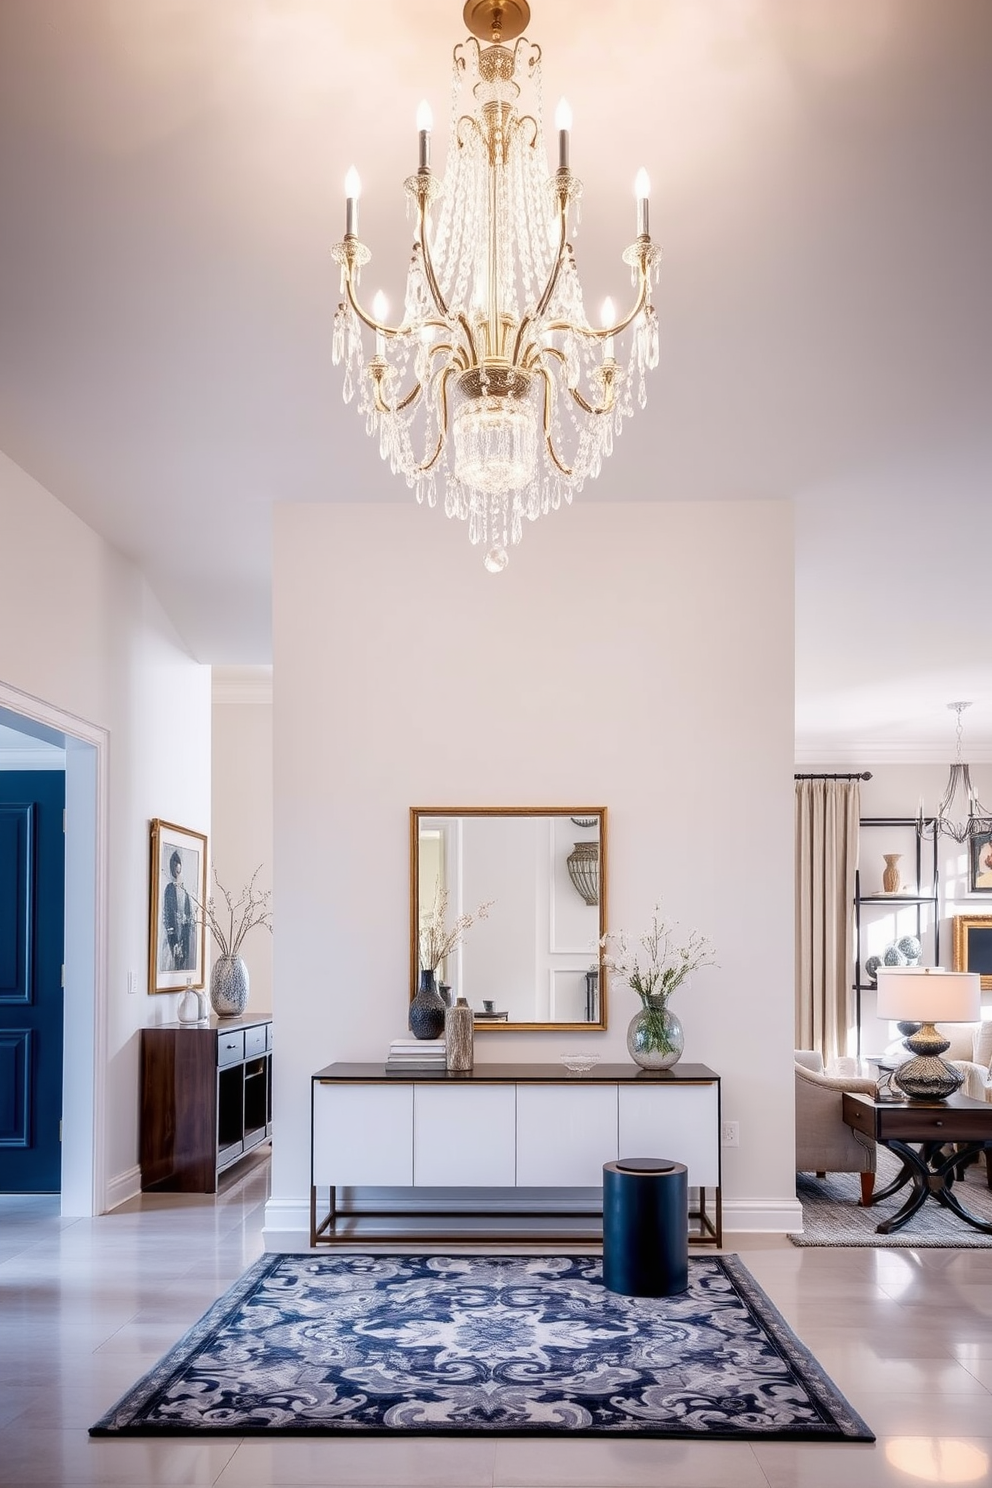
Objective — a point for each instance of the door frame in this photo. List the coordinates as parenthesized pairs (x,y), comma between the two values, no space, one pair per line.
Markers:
(84,1078)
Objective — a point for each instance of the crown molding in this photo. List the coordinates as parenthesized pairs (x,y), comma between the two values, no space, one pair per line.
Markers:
(242,684)
(850,752)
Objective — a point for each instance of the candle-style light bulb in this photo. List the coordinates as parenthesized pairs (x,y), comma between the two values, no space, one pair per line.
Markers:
(607,317)
(352,191)
(563,123)
(642,190)
(380,309)
(425,123)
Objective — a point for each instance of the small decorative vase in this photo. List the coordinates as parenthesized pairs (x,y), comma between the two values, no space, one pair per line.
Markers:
(444,992)
(229,986)
(426,1020)
(459,1035)
(654,1038)
(192,1006)
(890,877)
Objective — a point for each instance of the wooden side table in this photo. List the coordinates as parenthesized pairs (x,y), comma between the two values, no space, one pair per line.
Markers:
(918,1132)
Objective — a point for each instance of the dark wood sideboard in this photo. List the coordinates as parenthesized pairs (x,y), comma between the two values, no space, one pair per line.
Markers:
(206,1100)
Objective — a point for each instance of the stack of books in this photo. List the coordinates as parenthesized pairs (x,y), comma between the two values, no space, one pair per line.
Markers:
(416,1054)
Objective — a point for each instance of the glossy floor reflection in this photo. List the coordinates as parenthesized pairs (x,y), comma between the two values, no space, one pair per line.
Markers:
(87,1305)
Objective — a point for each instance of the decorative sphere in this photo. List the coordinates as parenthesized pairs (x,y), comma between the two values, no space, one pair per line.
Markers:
(893,956)
(871,967)
(911,948)
(496,560)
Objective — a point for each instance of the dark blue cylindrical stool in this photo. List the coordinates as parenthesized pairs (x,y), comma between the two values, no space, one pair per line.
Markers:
(645,1227)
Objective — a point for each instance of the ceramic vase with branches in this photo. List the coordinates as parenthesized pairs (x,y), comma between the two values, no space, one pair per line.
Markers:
(229,920)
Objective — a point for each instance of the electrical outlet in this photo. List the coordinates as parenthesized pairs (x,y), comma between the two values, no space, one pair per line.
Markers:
(132,983)
(730,1133)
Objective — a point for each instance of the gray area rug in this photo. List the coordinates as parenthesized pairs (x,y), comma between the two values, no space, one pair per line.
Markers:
(831,1215)
(486,1345)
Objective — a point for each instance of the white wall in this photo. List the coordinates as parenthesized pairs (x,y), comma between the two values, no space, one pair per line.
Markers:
(638,656)
(241,834)
(82,631)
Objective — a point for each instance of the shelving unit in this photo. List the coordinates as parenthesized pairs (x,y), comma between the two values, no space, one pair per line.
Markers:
(206,1100)
(920,899)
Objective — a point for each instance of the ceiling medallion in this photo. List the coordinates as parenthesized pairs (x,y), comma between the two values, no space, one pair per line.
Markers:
(492,386)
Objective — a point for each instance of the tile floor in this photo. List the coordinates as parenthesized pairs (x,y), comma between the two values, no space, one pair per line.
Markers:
(87,1305)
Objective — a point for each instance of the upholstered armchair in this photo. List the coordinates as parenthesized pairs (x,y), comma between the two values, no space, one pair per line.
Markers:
(824,1144)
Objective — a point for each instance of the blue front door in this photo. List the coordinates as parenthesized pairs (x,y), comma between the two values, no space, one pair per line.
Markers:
(32,906)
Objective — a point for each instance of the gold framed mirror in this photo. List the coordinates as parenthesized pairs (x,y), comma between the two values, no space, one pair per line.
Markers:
(534,961)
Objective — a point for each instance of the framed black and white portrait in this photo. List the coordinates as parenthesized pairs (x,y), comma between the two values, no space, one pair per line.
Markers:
(178,894)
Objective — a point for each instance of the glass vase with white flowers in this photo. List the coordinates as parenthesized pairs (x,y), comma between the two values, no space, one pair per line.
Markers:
(655,967)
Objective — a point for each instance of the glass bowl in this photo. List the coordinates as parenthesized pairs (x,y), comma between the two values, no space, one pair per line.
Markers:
(579,1064)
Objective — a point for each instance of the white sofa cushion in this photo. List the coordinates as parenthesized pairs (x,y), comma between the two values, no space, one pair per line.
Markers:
(981,1052)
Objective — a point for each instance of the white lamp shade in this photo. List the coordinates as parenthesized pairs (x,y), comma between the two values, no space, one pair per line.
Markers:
(925,995)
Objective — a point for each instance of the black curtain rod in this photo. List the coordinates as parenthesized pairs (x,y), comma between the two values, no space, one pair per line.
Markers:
(865,775)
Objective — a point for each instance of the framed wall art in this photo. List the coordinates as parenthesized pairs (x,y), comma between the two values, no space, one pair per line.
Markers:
(178,882)
(973,946)
(980,863)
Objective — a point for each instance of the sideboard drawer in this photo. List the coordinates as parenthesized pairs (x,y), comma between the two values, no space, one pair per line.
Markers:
(230,1046)
(678,1122)
(565,1134)
(464,1136)
(255,1040)
(363,1134)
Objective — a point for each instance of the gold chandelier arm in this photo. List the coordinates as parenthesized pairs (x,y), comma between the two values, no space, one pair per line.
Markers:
(610,401)
(435,288)
(593,333)
(548,410)
(442,425)
(534,353)
(390,332)
(549,288)
(377,370)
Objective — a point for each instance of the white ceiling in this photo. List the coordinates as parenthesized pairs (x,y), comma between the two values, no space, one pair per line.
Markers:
(170,183)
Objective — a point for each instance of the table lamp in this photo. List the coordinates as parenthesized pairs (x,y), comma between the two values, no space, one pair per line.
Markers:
(928,995)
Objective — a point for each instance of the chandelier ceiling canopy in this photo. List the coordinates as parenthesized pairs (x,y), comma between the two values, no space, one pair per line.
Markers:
(960,814)
(493,386)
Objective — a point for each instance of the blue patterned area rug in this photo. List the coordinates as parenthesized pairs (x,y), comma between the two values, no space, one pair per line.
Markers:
(492,1345)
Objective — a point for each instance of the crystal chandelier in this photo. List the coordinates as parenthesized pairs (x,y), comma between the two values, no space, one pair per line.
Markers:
(494,387)
(960,814)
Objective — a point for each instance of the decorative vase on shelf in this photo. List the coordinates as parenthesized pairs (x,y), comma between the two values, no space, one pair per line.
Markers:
(229,986)
(655,1039)
(890,877)
(459,1035)
(426,1020)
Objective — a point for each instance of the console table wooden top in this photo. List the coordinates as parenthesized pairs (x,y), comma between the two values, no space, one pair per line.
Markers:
(522,1074)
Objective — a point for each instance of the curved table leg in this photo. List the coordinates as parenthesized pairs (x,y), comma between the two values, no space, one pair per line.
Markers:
(903,1176)
(941,1187)
(916,1168)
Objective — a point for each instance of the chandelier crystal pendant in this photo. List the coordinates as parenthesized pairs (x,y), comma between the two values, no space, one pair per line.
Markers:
(494,386)
(960,814)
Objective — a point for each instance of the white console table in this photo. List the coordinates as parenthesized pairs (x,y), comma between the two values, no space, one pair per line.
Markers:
(504,1127)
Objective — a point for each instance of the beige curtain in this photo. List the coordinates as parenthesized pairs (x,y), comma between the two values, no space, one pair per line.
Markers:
(827,813)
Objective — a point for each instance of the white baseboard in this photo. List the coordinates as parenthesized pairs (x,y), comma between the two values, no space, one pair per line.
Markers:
(287,1225)
(762,1216)
(123,1187)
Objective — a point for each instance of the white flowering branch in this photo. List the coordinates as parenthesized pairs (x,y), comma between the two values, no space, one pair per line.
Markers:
(436,940)
(230,923)
(663,966)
